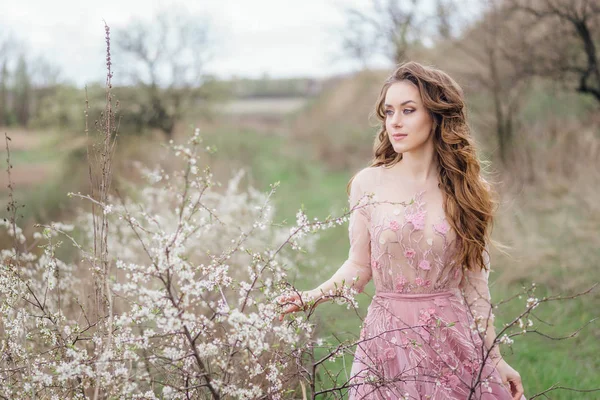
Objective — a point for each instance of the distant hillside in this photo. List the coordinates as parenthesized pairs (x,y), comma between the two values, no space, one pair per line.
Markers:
(268,87)
(336,123)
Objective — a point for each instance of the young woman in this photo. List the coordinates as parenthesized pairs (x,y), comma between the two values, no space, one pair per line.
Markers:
(422,237)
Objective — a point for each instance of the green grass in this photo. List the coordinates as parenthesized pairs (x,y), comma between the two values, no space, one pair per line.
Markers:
(46,151)
(303,180)
(542,361)
(37,156)
(47,197)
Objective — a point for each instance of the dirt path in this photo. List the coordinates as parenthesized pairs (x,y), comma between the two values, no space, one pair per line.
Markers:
(30,174)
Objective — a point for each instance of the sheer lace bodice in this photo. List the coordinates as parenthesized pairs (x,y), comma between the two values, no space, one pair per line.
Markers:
(403,241)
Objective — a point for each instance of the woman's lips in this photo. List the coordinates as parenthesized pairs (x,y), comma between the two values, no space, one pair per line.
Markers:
(399,136)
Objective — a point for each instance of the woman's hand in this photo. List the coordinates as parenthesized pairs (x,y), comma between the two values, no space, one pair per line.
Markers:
(511,378)
(295,302)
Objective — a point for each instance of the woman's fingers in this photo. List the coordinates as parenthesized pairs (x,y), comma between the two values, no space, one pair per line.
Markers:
(293,303)
(289,309)
(518,388)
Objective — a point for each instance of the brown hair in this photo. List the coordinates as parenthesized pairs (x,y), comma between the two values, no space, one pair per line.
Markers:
(469,201)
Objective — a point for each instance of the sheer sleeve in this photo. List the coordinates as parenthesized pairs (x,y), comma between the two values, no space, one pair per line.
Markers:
(356,270)
(358,228)
(475,286)
(476,292)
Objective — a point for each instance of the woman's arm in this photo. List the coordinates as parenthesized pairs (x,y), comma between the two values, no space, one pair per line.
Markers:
(475,287)
(356,270)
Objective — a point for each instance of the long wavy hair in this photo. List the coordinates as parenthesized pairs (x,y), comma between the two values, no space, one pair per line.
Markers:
(469,200)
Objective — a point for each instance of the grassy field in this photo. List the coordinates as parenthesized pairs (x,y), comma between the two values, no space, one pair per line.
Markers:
(38,158)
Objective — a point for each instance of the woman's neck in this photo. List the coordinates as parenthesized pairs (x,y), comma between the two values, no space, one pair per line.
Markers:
(417,171)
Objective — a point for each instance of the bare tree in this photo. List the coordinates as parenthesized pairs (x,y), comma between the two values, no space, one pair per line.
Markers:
(388,27)
(4,75)
(44,73)
(167,61)
(22,91)
(7,46)
(25,80)
(484,62)
(562,37)
(398,29)
(443,14)
(357,44)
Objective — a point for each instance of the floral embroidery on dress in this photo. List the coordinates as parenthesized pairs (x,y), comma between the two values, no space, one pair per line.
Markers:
(421,282)
(427,316)
(471,366)
(401,283)
(389,353)
(442,228)
(411,242)
(375,264)
(424,264)
(416,218)
(449,379)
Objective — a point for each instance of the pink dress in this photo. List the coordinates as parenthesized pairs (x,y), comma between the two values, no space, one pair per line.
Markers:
(419,339)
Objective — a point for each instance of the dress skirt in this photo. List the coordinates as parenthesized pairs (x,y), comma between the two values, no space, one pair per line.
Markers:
(422,346)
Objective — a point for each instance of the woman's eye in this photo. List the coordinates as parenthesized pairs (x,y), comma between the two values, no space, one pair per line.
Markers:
(405,111)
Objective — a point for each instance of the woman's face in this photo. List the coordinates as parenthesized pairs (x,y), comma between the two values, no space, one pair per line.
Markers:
(407,122)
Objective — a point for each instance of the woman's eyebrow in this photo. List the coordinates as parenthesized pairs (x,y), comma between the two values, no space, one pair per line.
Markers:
(404,103)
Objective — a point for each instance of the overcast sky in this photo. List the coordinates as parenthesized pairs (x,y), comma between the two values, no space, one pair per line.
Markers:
(282,38)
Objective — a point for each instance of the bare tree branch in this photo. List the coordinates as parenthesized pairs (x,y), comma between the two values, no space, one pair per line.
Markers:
(573,55)
(167,59)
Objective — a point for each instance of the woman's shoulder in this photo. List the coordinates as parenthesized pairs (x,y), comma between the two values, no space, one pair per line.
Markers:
(366,178)
(368,173)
